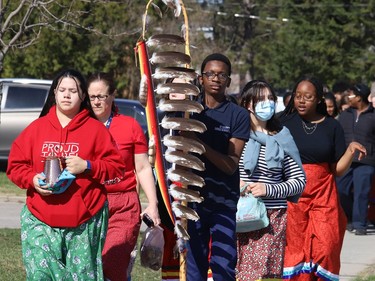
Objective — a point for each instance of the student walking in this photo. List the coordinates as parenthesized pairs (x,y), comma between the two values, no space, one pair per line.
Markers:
(358,123)
(227,131)
(63,234)
(124,205)
(316,224)
(270,168)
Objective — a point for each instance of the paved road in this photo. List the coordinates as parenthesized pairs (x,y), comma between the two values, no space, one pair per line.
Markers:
(358,252)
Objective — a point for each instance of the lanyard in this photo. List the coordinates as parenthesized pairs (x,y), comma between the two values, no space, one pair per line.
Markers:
(109,121)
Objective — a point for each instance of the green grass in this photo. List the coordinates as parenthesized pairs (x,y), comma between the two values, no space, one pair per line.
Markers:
(367,275)
(11,266)
(365,278)
(7,188)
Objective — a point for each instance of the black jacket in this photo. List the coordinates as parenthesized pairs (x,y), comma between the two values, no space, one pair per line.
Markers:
(361,130)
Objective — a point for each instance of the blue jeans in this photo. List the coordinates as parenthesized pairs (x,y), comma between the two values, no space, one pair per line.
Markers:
(220,226)
(354,188)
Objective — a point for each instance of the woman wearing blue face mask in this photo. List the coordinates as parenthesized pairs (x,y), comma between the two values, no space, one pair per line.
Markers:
(270,168)
(265,110)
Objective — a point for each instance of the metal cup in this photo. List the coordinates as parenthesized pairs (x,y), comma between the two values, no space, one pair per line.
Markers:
(52,169)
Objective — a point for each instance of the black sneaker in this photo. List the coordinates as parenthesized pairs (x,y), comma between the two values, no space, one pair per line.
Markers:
(360,232)
(349,227)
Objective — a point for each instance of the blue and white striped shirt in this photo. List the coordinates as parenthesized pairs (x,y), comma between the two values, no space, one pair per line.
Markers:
(280,182)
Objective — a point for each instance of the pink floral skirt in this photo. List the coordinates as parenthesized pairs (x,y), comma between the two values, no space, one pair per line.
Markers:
(261,252)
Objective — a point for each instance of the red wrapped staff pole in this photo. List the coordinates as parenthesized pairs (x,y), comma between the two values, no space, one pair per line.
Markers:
(153,124)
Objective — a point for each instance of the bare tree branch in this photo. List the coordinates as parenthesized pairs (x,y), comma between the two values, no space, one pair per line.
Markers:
(8,20)
(21,24)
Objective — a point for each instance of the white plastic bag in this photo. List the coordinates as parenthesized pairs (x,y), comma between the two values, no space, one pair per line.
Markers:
(152,248)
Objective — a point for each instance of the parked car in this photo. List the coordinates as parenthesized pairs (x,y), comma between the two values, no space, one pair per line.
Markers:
(133,108)
(22,101)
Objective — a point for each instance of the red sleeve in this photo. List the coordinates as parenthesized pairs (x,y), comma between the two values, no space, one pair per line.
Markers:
(19,169)
(21,161)
(140,142)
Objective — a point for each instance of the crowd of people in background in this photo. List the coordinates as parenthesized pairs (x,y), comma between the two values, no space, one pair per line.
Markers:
(312,164)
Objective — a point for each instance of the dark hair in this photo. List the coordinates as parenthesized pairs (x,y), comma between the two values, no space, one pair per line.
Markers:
(330,96)
(232,98)
(107,79)
(80,82)
(321,106)
(218,57)
(251,94)
(340,87)
(287,94)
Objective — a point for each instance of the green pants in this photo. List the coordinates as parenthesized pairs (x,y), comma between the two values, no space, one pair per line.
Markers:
(63,253)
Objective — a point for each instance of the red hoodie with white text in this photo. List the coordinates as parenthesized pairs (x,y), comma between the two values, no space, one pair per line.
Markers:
(83,136)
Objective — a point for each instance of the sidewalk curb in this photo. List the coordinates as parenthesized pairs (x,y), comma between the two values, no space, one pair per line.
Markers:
(13,198)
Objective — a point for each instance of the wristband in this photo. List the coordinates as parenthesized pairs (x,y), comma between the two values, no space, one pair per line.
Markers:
(88,169)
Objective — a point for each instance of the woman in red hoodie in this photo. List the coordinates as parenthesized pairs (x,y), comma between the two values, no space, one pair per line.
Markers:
(63,233)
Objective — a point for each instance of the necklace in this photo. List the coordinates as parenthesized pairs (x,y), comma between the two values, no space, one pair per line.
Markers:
(309,130)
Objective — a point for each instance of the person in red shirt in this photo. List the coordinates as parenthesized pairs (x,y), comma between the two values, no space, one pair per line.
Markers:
(124,205)
(63,233)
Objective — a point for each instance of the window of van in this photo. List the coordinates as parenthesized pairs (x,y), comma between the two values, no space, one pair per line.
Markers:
(25,98)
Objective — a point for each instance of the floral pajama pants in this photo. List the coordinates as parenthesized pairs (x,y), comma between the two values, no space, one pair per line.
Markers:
(51,253)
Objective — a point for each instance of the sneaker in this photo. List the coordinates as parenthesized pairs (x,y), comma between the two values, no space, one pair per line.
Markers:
(349,227)
(360,232)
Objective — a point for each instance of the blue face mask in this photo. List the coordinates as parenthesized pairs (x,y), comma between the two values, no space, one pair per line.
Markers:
(265,110)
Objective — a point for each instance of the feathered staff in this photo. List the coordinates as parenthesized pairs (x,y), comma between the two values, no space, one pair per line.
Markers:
(178,146)
(152,123)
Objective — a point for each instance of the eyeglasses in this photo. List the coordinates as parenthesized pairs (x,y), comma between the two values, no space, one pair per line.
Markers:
(99,97)
(305,98)
(211,75)
(351,96)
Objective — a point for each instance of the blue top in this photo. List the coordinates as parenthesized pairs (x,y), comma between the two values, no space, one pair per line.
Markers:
(224,122)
